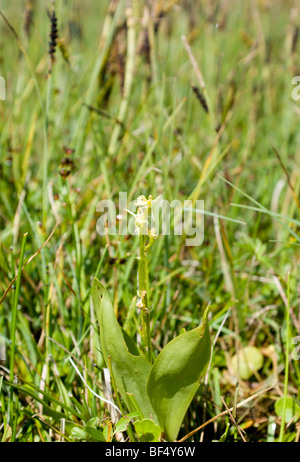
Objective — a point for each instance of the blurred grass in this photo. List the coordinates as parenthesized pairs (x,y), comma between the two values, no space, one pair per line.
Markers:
(165,144)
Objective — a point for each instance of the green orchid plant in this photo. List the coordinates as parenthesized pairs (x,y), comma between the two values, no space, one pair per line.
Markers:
(159,390)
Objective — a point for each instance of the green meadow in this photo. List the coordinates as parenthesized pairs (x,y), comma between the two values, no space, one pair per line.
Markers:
(121,336)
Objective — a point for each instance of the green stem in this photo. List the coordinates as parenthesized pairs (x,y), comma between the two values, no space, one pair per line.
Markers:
(286,374)
(45,212)
(143,291)
(47,324)
(46,149)
(14,323)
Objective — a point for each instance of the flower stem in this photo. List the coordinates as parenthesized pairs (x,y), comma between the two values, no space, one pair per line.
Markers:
(143,291)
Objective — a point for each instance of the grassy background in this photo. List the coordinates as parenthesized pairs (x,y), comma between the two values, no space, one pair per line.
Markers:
(145,132)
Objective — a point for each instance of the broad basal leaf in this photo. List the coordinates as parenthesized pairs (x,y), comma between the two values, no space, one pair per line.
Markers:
(174,377)
(129,372)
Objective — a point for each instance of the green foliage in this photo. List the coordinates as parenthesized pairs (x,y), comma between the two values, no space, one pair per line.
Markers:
(147,430)
(171,382)
(129,372)
(89,432)
(292,410)
(123,423)
(175,375)
(248,361)
(120,112)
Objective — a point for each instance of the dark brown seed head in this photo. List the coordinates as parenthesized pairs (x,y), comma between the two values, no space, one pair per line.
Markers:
(53,35)
(200,97)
